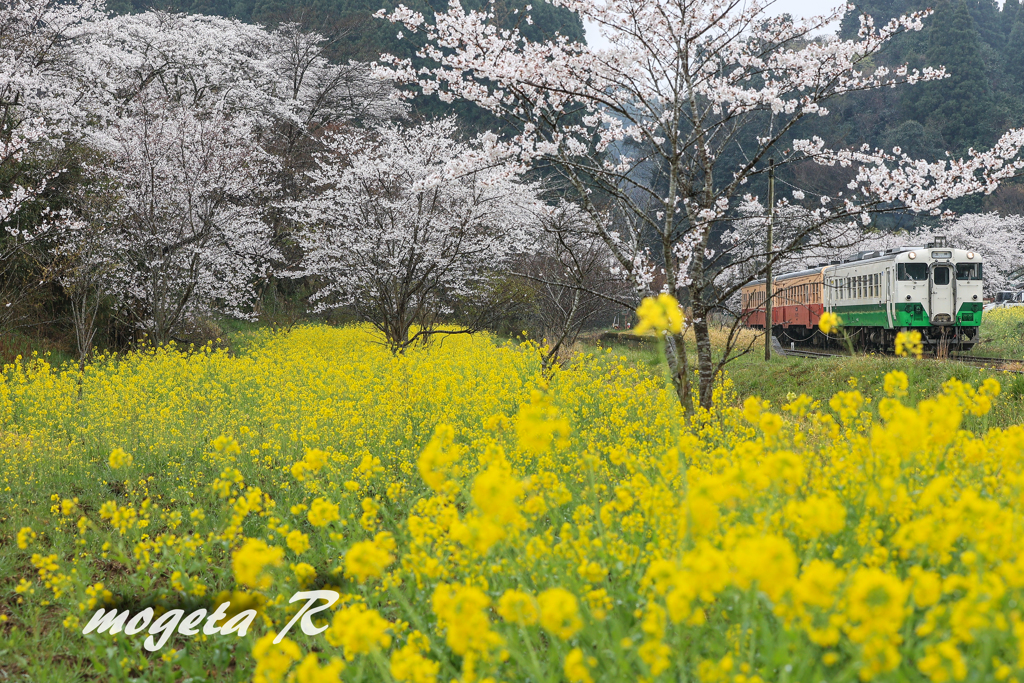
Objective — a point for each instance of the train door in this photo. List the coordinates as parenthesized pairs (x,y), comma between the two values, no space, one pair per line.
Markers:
(941,294)
(888,297)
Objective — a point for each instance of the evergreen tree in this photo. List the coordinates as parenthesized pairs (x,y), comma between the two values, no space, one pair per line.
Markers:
(1008,15)
(987,20)
(1014,54)
(959,106)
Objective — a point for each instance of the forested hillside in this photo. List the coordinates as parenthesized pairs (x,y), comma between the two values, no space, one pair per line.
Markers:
(982,48)
(353,33)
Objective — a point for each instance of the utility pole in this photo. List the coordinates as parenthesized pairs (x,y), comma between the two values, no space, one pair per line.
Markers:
(768,263)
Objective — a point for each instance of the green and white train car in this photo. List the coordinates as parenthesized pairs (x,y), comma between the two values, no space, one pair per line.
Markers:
(935,289)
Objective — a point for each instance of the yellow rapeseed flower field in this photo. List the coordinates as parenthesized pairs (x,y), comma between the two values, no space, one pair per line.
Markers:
(481,518)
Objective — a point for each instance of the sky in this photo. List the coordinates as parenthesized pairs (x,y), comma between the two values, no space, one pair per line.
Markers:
(798,8)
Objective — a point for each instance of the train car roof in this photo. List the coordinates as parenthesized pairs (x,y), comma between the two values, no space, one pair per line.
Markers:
(860,258)
(787,276)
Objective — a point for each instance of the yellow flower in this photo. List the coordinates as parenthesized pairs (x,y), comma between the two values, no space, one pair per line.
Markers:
(495,491)
(359,631)
(435,458)
(815,516)
(408,665)
(273,661)
(310,671)
(539,424)
(119,459)
(655,655)
(943,662)
(577,666)
(305,573)
(927,588)
(661,315)
(770,423)
(909,344)
(896,384)
(876,603)
(297,541)
(560,613)
(366,560)
(251,561)
(752,408)
(322,512)
(462,610)
(25,536)
(517,607)
(829,322)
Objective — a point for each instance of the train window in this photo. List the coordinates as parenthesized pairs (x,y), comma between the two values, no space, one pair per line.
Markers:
(941,276)
(878,284)
(917,272)
(968,271)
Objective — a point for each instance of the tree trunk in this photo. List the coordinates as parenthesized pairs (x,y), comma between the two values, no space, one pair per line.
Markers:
(678,366)
(705,366)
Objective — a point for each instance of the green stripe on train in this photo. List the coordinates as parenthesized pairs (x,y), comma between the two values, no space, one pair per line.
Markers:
(970,314)
(907,315)
(864,315)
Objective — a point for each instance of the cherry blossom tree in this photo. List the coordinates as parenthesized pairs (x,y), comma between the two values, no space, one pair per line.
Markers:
(319,96)
(43,92)
(403,227)
(186,235)
(999,240)
(683,83)
(203,123)
(198,127)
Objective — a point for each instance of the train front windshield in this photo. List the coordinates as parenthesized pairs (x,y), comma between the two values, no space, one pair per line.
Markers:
(968,271)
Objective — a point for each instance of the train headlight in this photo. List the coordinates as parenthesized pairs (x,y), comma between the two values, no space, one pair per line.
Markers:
(970,254)
(912,255)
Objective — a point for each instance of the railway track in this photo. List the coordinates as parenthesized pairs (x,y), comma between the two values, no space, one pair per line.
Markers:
(1002,364)
(804,353)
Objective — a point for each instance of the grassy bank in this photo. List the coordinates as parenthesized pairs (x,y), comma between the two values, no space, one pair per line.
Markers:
(779,380)
(1002,334)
